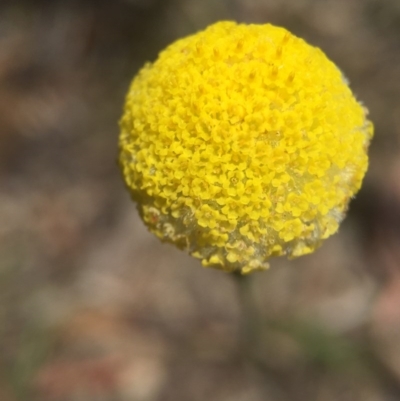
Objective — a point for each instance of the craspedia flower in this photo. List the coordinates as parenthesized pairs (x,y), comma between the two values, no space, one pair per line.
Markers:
(243,142)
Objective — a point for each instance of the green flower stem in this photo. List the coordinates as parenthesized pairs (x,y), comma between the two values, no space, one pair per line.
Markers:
(250,319)
(273,383)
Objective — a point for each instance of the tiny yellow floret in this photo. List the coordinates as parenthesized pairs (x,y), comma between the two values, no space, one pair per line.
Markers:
(243,142)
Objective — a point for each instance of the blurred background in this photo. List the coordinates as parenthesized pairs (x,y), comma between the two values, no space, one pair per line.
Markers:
(92,307)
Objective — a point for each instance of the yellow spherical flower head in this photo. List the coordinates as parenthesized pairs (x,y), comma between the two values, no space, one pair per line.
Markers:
(243,142)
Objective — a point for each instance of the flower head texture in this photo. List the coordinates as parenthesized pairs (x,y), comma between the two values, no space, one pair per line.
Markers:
(243,142)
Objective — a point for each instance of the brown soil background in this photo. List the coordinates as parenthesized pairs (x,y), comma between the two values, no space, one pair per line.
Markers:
(92,307)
